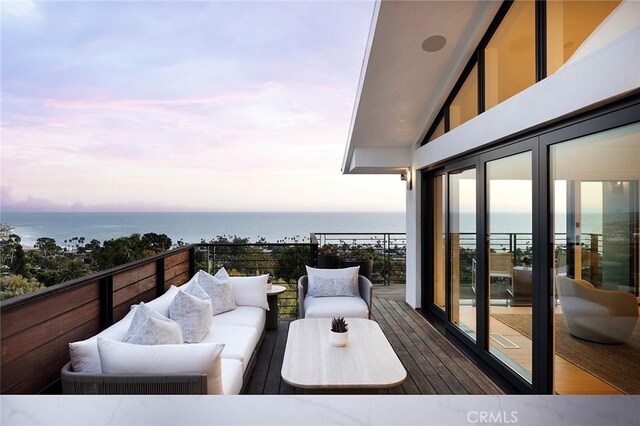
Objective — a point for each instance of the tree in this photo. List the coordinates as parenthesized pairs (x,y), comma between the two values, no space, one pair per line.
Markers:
(12,254)
(47,245)
(156,242)
(72,269)
(291,263)
(15,285)
(118,251)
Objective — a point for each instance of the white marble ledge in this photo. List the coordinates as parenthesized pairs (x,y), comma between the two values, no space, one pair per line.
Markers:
(320,410)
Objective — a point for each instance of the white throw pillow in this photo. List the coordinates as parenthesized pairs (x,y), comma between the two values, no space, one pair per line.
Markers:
(250,291)
(141,315)
(346,277)
(219,291)
(335,287)
(222,275)
(161,304)
(125,358)
(194,289)
(155,331)
(193,315)
(84,353)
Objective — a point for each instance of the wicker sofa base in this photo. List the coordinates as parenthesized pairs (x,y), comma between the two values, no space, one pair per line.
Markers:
(74,383)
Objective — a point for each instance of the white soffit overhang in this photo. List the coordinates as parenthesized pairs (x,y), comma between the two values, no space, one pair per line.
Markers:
(401,85)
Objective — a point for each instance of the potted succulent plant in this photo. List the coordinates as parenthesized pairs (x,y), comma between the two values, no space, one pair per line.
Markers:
(339,336)
(328,257)
(359,257)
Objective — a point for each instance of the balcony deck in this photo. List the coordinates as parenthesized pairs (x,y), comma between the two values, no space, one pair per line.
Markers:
(434,366)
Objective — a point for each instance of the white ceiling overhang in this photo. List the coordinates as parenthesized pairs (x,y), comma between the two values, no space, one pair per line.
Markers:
(402,86)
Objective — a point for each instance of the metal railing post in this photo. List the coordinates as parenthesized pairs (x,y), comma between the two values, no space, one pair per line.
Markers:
(106,301)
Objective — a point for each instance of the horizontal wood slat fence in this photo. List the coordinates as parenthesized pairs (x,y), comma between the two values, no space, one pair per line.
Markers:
(36,328)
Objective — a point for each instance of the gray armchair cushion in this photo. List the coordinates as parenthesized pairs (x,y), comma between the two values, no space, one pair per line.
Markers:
(365,288)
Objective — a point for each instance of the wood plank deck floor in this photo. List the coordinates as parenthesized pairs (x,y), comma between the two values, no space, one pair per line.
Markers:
(433,364)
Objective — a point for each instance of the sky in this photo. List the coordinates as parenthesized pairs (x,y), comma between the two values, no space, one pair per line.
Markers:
(183,106)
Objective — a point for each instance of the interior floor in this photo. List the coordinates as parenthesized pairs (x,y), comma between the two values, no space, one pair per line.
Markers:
(569,378)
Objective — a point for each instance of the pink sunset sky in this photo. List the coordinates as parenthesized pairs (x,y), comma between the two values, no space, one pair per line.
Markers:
(183,106)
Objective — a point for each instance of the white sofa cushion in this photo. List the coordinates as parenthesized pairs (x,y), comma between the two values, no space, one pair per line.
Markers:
(329,307)
(328,276)
(231,376)
(240,342)
(219,290)
(125,358)
(250,291)
(155,331)
(192,314)
(84,354)
(248,316)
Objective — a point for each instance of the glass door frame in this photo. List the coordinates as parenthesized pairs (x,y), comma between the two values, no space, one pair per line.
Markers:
(428,254)
(515,148)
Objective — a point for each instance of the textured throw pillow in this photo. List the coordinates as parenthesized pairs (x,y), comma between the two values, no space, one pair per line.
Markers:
(142,314)
(222,275)
(250,291)
(125,358)
(219,291)
(317,277)
(161,304)
(193,315)
(332,287)
(194,289)
(157,332)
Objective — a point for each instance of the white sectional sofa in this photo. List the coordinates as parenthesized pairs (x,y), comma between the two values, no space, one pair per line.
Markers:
(241,330)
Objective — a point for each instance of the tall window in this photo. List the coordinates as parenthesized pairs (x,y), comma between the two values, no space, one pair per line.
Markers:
(569,23)
(439,130)
(465,105)
(510,60)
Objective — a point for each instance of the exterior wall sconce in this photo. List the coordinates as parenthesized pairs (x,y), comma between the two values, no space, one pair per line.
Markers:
(406,176)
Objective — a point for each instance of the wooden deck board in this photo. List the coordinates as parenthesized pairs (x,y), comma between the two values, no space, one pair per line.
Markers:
(433,364)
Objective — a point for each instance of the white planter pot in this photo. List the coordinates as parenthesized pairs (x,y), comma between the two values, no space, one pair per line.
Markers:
(338,339)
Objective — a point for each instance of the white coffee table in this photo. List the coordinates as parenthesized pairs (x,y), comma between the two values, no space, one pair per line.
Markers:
(367,364)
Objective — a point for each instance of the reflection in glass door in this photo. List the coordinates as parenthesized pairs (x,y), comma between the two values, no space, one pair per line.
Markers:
(462,246)
(510,272)
(439,240)
(596,203)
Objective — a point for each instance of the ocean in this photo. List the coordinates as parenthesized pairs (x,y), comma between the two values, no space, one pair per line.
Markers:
(193,227)
(273,227)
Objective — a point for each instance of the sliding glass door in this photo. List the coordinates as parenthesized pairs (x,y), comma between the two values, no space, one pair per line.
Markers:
(596,332)
(509,279)
(462,250)
(536,246)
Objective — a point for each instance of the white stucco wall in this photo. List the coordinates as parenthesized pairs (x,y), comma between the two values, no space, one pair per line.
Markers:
(414,232)
(600,72)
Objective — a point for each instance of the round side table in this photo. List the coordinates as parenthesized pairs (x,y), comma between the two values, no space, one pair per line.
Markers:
(272,298)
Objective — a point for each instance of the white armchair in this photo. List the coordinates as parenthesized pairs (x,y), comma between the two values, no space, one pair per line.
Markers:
(600,316)
(340,306)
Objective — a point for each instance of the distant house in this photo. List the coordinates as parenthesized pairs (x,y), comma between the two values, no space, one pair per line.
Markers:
(516,125)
